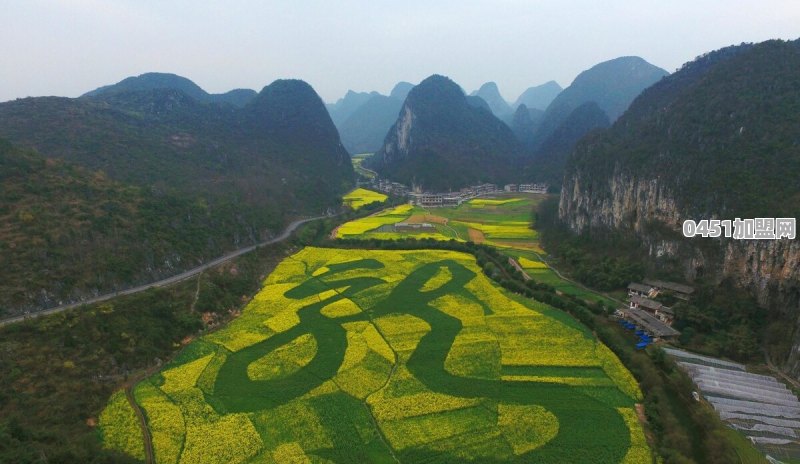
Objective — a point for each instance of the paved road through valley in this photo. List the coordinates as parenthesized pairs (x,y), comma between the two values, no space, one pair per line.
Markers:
(165,282)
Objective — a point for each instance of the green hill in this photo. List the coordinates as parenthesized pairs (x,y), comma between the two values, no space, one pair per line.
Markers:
(612,85)
(440,141)
(547,163)
(720,134)
(68,231)
(156,81)
(716,140)
(217,177)
(524,123)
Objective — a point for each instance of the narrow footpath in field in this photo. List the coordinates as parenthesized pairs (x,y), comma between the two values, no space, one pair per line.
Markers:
(148,442)
(580,285)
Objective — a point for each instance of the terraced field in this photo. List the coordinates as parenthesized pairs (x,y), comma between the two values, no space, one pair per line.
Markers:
(389,356)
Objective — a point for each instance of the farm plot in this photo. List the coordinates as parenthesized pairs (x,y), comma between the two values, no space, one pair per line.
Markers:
(540,272)
(380,226)
(389,356)
(361,197)
(359,227)
(503,222)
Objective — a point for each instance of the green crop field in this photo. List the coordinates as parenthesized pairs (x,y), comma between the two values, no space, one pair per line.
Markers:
(502,222)
(388,356)
(540,272)
(361,197)
(357,160)
(373,226)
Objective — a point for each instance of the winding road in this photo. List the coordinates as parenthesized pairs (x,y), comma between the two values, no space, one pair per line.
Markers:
(164,282)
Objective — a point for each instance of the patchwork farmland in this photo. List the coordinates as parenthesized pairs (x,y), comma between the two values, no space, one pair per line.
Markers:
(503,221)
(388,356)
(500,222)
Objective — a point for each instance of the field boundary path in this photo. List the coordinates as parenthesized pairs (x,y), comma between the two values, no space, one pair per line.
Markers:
(146,438)
(580,285)
(516,265)
(164,282)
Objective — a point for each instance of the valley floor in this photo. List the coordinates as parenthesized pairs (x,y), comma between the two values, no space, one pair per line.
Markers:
(388,356)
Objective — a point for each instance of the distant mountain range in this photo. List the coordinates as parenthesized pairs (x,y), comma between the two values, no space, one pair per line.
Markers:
(544,139)
(364,118)
(347,105)
(165,81)
(491,95)
(538,97)
(366,126)
(222,176)
(610,87)
(401,90)
(440,141)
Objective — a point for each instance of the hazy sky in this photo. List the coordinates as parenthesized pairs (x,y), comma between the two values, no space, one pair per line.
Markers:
(67,47)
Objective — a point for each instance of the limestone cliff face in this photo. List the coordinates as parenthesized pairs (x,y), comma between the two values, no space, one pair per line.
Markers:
(401,143)
(441,142)
(715,140)
(644,206)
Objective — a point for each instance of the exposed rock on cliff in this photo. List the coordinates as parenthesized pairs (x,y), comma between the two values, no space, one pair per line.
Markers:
(717,139)
(440,141)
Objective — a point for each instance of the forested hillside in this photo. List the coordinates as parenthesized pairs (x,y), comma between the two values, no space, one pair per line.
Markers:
(440,141)
(160,182)
(716,140)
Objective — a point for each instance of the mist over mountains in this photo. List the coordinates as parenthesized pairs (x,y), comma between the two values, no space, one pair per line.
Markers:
(538,97)
(546,131)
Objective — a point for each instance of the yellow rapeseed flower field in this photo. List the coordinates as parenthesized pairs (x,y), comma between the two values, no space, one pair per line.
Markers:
(359,353)
(526,427)
(530,264)
(120,427)
(493,202)
(361,197)
(184,376)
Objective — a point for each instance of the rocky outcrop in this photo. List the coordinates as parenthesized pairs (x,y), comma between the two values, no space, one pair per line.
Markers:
(715,140)
(440,141)
(647,208)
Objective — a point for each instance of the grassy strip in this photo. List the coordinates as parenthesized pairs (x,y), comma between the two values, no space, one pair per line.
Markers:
(685,431)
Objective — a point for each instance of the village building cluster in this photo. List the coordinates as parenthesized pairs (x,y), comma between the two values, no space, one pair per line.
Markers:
(651,317)
(433,199)
(465,194)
